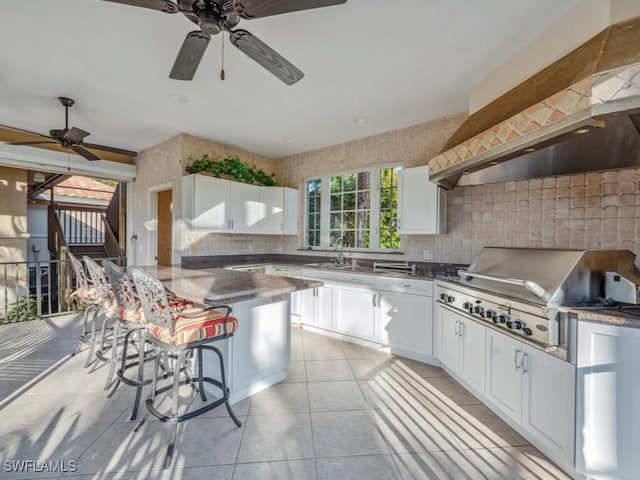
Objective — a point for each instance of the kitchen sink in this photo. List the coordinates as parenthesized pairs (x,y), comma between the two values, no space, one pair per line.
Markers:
(335,266)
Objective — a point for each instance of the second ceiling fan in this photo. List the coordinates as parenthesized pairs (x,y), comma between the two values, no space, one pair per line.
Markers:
(216,16)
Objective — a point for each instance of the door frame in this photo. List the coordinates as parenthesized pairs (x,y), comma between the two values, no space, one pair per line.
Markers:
(152,237)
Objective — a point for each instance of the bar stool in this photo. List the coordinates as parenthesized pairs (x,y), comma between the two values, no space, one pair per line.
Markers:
(85,294)
(111,335)
(182,336)
(129,312)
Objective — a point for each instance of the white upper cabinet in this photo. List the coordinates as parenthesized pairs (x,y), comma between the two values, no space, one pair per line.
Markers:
(422,205)
(280,210)
(216,205)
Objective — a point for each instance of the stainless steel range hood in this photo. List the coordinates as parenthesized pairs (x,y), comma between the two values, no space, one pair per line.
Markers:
(580,114)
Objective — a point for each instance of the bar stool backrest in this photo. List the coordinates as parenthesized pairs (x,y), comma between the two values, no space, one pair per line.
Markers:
(82,282)
(121,285)
(153,298)
(98,278)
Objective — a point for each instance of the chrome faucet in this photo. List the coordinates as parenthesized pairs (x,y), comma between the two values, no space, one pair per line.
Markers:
(339,251)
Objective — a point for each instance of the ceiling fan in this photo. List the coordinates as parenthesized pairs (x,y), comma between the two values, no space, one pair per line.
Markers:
(215,16)
(72,138)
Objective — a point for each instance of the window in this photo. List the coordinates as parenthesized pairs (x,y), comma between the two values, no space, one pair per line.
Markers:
(360,209)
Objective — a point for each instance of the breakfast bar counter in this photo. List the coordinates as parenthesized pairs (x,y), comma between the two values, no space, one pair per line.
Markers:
(258,354)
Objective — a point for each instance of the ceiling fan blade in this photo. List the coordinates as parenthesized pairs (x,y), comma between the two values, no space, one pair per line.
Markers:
(24,131)
(190,54)
(84,152)
(75,134)
(265,8)
(162,5)
(31,143)
(259,51)
(105,148)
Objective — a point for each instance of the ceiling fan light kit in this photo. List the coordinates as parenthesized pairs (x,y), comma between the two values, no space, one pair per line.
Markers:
(218,16)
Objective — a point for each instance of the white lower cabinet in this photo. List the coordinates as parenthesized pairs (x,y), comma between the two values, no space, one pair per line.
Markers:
(461,347)
(608,397)
(355,312)
(405,322)
(316,307)
(535,389)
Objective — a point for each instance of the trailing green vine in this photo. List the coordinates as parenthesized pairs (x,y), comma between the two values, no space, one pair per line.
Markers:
(233,166)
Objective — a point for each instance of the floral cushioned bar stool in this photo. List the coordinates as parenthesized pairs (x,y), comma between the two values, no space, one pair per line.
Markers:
(129,313)
(112,335)
(85,293)
(182,336)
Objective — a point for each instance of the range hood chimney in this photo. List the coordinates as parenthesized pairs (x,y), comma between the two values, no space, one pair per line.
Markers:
(581,113)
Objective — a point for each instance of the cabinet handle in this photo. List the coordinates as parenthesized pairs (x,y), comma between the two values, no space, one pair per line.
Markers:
(515,359)
(375,298)
(456,327)
(524,370)
(461,329)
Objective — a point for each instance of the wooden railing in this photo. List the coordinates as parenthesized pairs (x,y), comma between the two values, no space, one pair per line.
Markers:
(111,245)
(82,225)
(113,211)
(55,234)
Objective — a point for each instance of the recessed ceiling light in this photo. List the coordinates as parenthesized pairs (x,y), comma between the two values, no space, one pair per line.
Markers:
(466,173)
(529,150)
(494,162)
(360,120)
(581,131)
(287,140)
(178,98)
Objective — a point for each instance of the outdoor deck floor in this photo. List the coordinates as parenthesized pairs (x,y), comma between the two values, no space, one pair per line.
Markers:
(345,411)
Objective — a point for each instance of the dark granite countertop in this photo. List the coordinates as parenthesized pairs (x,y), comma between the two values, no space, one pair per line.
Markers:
(217,286)
(613,317)
(424,270)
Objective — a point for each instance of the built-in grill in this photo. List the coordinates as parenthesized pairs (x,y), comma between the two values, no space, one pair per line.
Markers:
(527,292)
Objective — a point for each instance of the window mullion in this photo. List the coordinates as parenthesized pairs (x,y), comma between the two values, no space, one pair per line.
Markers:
(324,210)
(374,234)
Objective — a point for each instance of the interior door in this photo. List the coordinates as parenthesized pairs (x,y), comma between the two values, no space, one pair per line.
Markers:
(165,227)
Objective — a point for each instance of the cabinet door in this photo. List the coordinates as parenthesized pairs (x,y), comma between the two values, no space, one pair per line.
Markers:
(472,353)
(290,214)
(406,321)
(272,205)
(548,408)
(355,311)
(503,385)
(608,396)
(210,203)
(449,341)
(244,210)
(323,307)
(418,202)
(308,306)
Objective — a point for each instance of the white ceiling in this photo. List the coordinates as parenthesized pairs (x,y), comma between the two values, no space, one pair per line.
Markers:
(395,62)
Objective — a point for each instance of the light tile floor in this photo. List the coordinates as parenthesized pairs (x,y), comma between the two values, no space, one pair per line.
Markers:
(345,411)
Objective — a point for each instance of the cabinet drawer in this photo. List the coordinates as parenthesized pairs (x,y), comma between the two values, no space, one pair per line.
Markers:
(406,285)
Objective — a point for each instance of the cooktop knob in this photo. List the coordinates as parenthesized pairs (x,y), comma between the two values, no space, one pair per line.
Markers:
(449,299)
(500,319)
(527,331)
(467,306)
(479,310)
(490,314)
(517,325)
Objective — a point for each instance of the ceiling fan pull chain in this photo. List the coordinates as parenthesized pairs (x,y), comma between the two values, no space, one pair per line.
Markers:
(222,70)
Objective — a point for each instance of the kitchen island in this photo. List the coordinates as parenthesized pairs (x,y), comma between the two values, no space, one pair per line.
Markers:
(257,356)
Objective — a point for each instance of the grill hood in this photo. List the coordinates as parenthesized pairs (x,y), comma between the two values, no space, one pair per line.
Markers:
(547,276)
(534,129)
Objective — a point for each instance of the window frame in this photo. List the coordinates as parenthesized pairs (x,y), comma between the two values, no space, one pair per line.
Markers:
(325,205)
